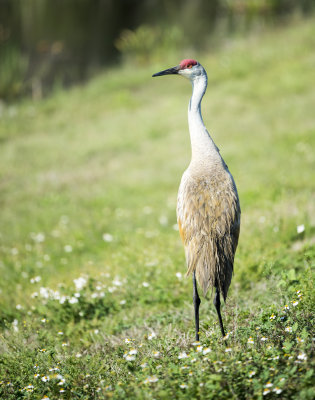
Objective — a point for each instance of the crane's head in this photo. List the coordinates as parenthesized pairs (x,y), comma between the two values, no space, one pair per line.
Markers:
(189,68)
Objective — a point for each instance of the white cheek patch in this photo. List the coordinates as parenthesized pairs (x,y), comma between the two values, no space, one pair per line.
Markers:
(185,72)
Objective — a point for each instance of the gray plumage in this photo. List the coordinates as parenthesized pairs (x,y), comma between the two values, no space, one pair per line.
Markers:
(208,209)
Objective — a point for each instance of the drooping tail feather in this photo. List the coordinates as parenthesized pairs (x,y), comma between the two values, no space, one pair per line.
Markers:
(213,264)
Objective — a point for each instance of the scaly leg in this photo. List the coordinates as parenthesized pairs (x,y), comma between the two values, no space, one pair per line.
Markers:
(197,302)
(217,304)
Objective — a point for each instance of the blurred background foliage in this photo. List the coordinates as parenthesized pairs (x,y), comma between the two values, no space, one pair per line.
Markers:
(46,44)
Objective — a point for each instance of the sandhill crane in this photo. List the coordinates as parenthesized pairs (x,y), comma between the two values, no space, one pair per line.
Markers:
(208,209)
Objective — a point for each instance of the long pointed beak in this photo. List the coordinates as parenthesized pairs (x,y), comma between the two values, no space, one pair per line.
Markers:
(169,71)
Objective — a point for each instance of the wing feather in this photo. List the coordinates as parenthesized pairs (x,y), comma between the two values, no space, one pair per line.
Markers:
(208,215)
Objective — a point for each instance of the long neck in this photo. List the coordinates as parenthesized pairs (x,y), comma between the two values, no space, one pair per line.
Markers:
(204,151)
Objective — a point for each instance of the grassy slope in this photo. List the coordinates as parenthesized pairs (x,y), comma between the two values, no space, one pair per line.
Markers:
(107,158)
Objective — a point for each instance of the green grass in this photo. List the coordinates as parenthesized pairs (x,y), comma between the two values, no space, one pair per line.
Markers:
(107,158)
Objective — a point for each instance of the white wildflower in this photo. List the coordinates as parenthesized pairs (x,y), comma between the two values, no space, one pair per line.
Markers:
(302,356)
(39,237)
(68,248)
(15,325)
(129,357)
(151,379)
(80,282)
(53,369)
(44,292)
(73,300)
(152,335)
(14,251)
(35,279)
(183,386)
(63,299)
(107,237)
(227,335)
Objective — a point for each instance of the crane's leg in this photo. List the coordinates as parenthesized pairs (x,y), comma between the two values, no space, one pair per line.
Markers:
(197,302)
(217,304)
